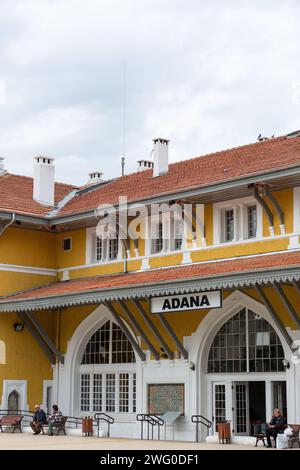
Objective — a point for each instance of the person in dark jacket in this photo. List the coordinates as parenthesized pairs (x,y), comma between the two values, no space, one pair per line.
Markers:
(39,419)
(276,426)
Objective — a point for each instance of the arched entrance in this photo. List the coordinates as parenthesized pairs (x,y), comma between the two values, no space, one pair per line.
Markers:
(239,351)
(13,402)
(108,372)
(101,372)
(245,344)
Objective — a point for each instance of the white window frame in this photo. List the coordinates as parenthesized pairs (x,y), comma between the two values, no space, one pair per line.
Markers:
(296,206)
(240,209)
(91,249)
(168,221)
(104,370)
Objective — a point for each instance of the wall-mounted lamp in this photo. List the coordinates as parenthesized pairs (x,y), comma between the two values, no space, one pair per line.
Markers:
(18,327)
(192,365)
(285,364)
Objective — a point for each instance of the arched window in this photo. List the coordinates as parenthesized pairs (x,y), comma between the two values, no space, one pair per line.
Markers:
(108,378)
(13,402)
(246,343)
(108,345)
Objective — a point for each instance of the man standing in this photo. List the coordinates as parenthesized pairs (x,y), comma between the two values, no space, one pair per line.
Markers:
(39,419)
(276,426)
(54,419)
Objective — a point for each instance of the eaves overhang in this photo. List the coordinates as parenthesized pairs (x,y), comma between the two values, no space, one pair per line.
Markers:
(190,192)
(92,297)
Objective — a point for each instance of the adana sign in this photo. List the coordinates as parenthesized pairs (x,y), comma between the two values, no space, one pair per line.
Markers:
(176,303)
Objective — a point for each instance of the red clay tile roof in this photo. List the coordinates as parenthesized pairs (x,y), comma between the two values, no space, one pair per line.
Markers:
(16,195)
(154,277)
(259,157)
(254,158)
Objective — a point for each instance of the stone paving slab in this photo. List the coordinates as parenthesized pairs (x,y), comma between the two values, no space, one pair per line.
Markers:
(44,442)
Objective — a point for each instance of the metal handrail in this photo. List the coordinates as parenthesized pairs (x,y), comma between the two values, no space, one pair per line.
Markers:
(199,419)
(152,420)
(104,417)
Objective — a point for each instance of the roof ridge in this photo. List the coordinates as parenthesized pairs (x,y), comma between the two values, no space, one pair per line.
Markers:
(230,149)
(8,173)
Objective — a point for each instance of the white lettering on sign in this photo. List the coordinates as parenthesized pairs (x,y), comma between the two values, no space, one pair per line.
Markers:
(175,303)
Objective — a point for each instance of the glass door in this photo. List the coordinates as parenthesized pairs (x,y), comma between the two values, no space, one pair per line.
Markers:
(241,408)
(279,396)
(219,403)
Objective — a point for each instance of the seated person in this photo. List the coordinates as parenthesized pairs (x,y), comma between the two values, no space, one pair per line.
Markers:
(39,419)
(276,426)
(54,419)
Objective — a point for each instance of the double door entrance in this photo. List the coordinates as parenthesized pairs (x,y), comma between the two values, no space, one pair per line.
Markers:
(245,403)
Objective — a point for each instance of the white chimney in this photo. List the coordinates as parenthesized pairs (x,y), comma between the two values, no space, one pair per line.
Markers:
(95,177)
(160,156)
(144,165)
(2,169)
(44,180)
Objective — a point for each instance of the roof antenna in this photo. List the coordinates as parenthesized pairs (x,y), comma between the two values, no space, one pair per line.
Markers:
(123,120)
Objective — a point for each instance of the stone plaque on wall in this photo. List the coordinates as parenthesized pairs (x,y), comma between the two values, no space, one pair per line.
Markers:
(165,397)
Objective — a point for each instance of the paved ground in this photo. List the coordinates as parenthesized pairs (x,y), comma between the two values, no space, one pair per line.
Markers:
(28,441)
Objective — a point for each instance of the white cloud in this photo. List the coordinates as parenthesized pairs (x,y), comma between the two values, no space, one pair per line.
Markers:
(207,76)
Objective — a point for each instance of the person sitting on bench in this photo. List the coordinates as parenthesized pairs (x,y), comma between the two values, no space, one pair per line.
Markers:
(54,419)
(276,426)
(39,419)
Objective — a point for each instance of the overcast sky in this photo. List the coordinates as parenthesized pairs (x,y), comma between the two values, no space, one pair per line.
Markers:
(206,75)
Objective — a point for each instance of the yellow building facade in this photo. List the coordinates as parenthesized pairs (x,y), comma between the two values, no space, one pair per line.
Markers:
(197,314)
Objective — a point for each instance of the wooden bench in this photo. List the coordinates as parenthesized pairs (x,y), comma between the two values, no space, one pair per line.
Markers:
(294,439)
(60,427)
(11,421)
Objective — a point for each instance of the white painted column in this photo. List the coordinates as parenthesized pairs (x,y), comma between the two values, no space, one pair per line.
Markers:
(269,400)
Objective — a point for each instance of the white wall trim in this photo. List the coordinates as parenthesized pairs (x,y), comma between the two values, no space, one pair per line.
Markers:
(21,387)
(46,384)
(27,269)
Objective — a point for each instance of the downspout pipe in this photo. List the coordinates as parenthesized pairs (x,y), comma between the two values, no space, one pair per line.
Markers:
(13,218)
(277,208)
(266,208)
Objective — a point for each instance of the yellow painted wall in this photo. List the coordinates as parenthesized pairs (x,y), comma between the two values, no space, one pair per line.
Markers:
(25,360)
(28,248)
(11,281)
(242,249)
(76,256)
(285,200)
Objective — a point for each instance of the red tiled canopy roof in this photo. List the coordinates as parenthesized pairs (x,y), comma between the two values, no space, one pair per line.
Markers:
(16,194)
(157,276)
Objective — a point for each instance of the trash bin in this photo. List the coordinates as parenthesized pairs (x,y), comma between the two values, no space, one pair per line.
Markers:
(87,426)
(224,432)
